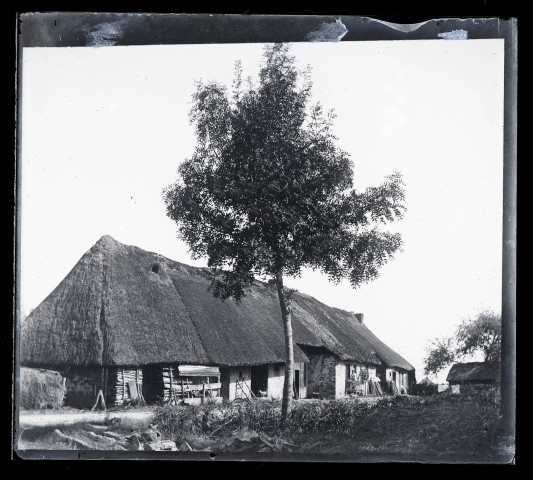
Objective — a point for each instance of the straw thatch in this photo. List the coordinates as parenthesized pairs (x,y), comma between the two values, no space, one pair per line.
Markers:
(387,355)
(474,372)
(121,305)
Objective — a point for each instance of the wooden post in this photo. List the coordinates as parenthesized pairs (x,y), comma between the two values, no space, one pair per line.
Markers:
(172,399)
(203,394)
(137,380)
(123,386)
(100,398)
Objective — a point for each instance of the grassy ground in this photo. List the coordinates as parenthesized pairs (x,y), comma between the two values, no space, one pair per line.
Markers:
(435,426)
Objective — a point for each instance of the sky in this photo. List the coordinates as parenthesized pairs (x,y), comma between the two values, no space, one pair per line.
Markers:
(105,128)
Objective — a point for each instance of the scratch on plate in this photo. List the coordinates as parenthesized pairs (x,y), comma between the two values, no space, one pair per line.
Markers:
(405,28)
(328,32)
(105,34)
(454,35)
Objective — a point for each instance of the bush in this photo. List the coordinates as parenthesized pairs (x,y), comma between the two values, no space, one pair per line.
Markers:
(333,416)
(423,389)
(41,388)
(483,393)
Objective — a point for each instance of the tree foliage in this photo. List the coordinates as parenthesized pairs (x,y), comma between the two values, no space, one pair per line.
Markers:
(478,334)
(267,188)
(268,192)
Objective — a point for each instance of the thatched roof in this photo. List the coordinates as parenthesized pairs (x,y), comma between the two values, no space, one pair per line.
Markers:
(387,355)
(473,372)
(121,305)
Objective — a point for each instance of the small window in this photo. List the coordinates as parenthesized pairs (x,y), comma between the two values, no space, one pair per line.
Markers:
(156,268)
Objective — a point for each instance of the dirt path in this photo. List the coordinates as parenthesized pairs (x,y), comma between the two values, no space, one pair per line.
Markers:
(53,419)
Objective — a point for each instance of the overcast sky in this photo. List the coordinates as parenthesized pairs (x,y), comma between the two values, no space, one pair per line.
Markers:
(105,128)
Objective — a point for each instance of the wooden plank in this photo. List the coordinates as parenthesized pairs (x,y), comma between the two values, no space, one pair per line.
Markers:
(134,393)
(190,388)
(198,371)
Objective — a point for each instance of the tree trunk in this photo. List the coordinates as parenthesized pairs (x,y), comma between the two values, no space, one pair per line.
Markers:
(286,310)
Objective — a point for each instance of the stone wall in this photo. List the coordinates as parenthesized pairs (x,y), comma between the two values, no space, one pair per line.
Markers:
(322,375)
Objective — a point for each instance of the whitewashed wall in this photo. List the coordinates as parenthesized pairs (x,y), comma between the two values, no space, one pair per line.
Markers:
(276,379)
(340,379)
(235,392)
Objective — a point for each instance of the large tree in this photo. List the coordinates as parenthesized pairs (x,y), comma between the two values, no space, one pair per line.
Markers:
(480,334)
(267,192)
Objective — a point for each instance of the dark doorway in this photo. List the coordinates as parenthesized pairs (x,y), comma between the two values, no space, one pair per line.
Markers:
(152,386)
(296,384)
(259,380)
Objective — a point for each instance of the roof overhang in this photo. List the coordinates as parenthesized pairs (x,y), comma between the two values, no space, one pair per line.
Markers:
(198,371)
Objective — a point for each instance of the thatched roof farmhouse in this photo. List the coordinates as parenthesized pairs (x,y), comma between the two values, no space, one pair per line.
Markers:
(125,321)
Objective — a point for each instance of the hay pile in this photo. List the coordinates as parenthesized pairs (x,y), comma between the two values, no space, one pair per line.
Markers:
(41,388)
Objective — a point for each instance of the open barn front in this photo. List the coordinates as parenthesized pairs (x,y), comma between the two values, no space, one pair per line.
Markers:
(181,383)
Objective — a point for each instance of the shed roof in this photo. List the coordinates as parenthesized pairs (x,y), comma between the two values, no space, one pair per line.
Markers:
(473,372)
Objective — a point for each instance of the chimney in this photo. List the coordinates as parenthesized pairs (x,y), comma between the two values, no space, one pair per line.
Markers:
(360,317)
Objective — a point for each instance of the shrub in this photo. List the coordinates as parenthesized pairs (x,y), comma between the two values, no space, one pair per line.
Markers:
(41,388)
(423,389)
(333,416)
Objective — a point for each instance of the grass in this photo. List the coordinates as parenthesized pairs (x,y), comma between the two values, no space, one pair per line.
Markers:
(437,424)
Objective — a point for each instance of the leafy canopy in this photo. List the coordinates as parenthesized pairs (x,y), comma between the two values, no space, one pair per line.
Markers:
(479,334)
(268,191)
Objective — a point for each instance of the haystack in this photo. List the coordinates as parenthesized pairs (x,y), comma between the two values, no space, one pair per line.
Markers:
(41,388)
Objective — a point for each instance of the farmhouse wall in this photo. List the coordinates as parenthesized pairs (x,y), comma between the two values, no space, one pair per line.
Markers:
(301,367)
(322,375)
(340,379)
(402,381)
(276,379)
(119,383)
(229,377)
(83,385)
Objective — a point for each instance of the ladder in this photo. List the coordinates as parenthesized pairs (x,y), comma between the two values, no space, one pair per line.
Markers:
(239,384)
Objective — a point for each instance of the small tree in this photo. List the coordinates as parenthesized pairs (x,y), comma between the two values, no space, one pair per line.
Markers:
(478,334)
(440,353)
(267,192)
